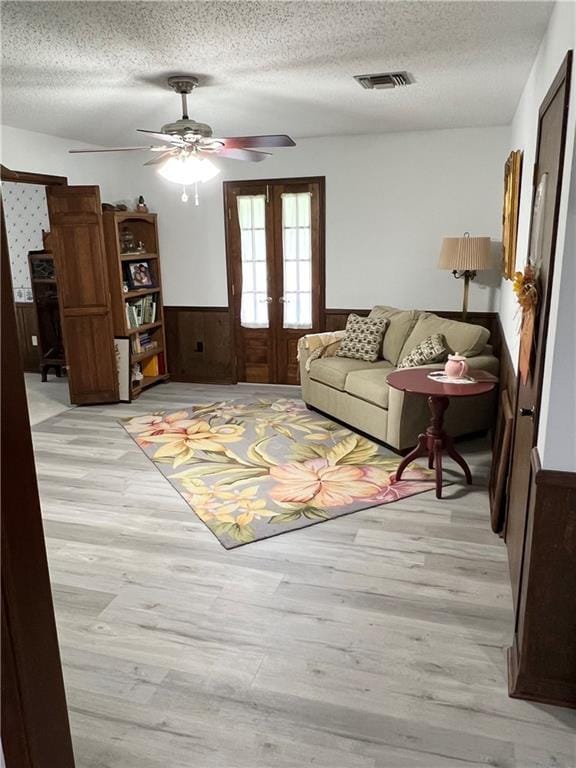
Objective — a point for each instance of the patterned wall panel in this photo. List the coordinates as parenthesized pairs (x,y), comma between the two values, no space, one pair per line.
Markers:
(26,214)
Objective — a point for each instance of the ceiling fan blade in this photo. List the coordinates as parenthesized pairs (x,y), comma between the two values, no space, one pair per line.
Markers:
(167,137)
(247,142)
(242,154)
(160,158)
(110,149)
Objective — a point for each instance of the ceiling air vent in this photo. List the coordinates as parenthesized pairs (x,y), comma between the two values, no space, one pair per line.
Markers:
(384,80)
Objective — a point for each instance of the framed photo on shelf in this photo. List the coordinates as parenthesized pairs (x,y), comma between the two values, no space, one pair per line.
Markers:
(139,275)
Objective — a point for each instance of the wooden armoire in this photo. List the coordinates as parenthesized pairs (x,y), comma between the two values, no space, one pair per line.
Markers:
(91,296)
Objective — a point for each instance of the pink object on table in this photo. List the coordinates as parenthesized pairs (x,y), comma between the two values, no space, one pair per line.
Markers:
(456,367)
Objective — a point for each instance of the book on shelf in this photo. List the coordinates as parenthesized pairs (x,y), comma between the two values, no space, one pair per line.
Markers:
(143,342)
(151,368)
(141,311)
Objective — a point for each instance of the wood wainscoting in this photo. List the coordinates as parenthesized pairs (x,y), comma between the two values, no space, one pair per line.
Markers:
(27,327)
(200,339)
(199,344)
(542,659)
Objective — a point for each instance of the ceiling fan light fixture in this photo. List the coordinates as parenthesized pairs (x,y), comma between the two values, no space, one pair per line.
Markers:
(188,169)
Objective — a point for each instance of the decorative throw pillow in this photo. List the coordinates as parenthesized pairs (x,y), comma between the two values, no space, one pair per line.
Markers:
(432,350)
(363,340)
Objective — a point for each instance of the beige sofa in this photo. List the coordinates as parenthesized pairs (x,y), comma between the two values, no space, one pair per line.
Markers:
(356,392)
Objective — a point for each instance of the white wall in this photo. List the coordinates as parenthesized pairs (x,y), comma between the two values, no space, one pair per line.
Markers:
(557,438)
(389,198)
(557,434)
(389,201)
(37,152)
(26,217)
(559,38)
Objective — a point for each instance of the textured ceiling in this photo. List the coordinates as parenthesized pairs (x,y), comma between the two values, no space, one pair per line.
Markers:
(95,71)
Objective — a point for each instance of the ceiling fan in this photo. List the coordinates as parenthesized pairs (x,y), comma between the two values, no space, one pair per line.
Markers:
(184,157)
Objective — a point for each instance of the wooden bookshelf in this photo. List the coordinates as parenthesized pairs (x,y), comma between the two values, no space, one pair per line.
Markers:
(139,356)
(139,292)
(137,300)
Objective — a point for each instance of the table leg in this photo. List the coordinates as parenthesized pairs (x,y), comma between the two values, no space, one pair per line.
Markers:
(420,450)
(438,462)
(433,443)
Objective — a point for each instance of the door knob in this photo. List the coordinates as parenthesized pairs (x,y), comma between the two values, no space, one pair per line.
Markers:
(527,412)
(267,300)
(282,300)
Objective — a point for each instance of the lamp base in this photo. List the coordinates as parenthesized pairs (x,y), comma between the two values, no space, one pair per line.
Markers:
(467,274)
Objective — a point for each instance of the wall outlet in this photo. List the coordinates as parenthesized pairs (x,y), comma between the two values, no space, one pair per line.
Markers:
(34,341)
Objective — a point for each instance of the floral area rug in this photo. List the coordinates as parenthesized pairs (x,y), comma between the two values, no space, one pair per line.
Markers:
(251,470)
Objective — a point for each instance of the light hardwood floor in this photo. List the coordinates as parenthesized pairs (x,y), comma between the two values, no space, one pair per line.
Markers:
(376,640)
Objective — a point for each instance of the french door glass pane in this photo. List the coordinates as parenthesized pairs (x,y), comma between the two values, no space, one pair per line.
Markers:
(297,258)
(252,219)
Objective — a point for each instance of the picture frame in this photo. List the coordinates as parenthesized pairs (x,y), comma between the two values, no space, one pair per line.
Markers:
(122,353)
(139,275)
(510,212)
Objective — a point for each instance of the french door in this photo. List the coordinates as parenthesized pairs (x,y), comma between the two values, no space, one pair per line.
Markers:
(275,252)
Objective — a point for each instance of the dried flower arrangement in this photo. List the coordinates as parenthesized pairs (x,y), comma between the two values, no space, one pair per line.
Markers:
(525,288)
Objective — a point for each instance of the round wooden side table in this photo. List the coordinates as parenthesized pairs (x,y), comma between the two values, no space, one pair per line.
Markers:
(435,441)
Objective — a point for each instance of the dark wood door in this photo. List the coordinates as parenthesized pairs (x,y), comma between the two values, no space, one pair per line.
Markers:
(275,249)
(251,281)
(35,728)
(83,292)
(552,123)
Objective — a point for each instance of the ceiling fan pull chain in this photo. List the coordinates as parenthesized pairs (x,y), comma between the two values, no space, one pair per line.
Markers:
(184,197)
(196,201)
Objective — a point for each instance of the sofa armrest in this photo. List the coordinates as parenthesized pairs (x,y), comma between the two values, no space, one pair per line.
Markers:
(316,345)
(407,413)
(312,341)
(405,410)
(487,363)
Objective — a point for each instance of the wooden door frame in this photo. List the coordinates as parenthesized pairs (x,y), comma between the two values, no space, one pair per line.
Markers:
(562,78)
(39,179)
(563,75)
(226,187)
(28,177)
(35,726)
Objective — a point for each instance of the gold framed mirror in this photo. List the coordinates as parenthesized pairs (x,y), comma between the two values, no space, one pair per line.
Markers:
(512,178)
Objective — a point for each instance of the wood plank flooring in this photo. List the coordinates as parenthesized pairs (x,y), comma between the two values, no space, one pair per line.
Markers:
(376,640)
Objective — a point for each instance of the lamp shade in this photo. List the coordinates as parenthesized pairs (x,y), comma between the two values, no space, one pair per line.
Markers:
(465,253)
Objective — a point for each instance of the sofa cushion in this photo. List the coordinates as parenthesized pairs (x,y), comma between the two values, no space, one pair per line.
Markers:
(363,339)
(464,338)
(333,371)
(402,321)
(370,385)
(432,350)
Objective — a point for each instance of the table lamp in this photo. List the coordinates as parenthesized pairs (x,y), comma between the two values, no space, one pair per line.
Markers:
(465,256)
